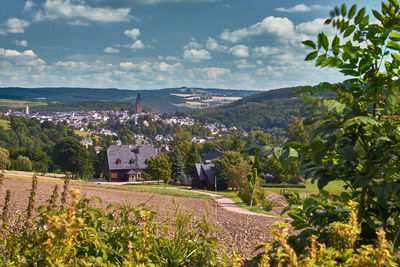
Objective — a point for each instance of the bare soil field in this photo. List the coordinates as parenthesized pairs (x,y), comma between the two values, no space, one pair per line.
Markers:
(237,232)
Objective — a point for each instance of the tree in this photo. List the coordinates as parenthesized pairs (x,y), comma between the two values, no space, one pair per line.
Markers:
(177,165)
(23,163)
(192,158)
(252,179)
(4,158)
(159,167)
(225,165)
(181,141)
(71,156)
(359,135)
(98,162)
(296,132)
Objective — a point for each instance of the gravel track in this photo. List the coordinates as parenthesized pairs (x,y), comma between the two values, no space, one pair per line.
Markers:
(237,232)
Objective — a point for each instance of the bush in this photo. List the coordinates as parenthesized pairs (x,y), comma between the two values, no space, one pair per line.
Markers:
(268,204)
(343,252)
(245,194)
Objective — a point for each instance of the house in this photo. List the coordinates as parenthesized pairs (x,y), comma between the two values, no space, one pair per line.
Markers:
(203,174)
(127,162)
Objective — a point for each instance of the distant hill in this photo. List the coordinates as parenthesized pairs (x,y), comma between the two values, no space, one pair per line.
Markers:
(167,100)
(269,111)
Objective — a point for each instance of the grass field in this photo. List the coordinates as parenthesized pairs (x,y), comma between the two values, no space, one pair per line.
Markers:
(19,103)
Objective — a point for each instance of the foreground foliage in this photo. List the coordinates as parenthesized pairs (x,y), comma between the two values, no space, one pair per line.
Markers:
(81,235)
(343,251)
(358,134)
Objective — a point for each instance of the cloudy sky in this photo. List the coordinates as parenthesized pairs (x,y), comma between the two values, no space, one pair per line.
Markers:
(150,44)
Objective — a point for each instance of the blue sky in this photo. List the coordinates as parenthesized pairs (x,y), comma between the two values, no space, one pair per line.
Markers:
(150,44)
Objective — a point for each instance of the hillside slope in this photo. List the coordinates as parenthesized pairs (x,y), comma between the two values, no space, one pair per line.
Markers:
(269,111)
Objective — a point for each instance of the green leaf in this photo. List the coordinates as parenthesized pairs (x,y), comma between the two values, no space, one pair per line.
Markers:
(320,60)
(310,44)
(395,56)
(352,11)
(325,42)
(344,10)
(311,56)
(349,30)
(319,40)
(394,36)
(394,45)
(360,16)
(364,22)
(377,15)
(335,45)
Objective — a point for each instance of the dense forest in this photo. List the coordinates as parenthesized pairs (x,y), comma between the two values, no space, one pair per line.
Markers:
(268,111)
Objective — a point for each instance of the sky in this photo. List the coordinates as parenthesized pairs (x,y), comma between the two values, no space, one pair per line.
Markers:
(152,44)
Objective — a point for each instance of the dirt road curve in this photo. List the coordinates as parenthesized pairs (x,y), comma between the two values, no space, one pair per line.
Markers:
(240,232)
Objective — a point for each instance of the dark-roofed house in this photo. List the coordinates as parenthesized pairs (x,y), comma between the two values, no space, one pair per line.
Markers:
(203,175)
(213,154)
(127,162)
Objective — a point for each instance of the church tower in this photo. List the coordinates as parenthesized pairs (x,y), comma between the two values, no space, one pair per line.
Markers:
(138,105)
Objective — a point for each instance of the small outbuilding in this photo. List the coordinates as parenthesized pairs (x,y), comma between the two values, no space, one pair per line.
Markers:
(203,174)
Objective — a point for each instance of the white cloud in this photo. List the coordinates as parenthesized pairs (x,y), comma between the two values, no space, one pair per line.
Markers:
(77,12)
(264,51)
(132,33)
(212,73)
(165,67)
(301,8)
(214,46)
(137,45)
(29,6)
(13,25)
(25,58)
(243,64)
(239,51)
(196,55)
(314,27)
(111,50)
(281,27)
(193,45)
(23,43)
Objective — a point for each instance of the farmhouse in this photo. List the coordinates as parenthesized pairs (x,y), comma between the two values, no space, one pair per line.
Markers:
(127,163)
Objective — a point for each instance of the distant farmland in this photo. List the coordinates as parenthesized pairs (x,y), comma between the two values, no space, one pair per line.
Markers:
(10,103)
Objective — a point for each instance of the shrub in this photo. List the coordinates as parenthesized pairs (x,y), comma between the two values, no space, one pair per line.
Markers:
(245,194)
(343,252)
(268,204)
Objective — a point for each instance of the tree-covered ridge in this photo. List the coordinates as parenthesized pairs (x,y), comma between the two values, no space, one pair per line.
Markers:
(168,100)
(269,111)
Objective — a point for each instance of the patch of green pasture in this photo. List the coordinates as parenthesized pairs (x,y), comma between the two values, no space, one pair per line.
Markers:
(19,103)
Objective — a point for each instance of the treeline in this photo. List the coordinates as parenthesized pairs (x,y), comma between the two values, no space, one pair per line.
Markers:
(29,145)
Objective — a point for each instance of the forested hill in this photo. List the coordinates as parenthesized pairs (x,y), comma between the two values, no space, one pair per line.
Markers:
(269,111)
(168,100)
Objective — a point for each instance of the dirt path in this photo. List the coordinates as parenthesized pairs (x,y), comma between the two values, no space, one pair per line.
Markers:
(237,231)
(230,205)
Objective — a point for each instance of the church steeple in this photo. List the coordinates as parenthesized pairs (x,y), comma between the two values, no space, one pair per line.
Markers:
(138,104)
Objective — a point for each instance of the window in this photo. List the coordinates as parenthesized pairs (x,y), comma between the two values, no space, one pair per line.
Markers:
(118,162)
(131,161)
